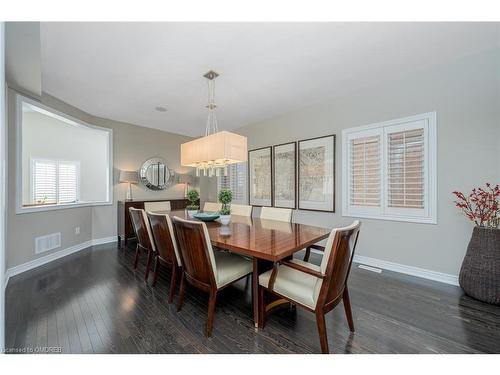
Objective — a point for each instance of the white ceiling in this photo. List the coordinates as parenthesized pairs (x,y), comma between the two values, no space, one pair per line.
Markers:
(122,71)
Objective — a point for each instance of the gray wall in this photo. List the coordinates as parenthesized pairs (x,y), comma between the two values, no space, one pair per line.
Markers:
(23,61)
(3,143)
(465,95)
(132,145)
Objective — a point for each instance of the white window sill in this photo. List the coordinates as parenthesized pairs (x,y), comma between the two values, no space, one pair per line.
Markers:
(408,219)
(53,207)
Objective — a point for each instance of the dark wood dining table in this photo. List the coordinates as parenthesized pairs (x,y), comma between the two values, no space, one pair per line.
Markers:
(261,239)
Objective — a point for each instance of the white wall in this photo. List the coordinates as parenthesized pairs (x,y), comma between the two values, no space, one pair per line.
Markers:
(46,137)
(465,95)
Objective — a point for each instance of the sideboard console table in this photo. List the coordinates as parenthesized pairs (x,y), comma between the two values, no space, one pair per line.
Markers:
(125,229)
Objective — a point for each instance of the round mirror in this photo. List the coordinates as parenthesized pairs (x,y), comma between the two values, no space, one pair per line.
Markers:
(155,174)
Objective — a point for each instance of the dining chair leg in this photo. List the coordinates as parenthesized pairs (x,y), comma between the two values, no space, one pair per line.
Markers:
(136,256)
(211,312)
(308,254)
(148,265)
(173,281)
(320,321)
(262,308)
(181,293)
(247,282)
(157,268)
(255,291)
(347,308)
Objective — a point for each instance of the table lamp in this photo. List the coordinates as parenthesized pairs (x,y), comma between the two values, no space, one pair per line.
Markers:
(185,179)
(130,177)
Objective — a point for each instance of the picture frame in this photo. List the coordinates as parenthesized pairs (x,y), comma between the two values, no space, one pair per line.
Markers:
(316,174)
(285,175)
(260,177)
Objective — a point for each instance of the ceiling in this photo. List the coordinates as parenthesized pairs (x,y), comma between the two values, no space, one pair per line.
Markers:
(122,71)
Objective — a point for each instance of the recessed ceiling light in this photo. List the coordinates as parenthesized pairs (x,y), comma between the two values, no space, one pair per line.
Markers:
(161,109)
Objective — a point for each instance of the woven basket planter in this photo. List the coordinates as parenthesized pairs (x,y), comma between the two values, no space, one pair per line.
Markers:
(480,272)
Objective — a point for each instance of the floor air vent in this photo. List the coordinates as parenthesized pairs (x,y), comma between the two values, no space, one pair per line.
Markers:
(48,242)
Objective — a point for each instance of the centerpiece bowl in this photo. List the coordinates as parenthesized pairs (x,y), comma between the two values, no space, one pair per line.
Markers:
(206,216)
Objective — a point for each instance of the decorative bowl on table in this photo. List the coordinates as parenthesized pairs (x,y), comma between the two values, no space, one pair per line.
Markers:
(206,216)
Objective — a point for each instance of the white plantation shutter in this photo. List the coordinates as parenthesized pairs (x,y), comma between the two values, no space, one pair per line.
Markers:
(55,181)
(68,182)
(235,181)
(365,171)
(389,170)
(406,169)
(44,181)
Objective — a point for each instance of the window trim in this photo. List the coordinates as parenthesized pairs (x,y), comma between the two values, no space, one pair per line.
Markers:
(20,209)
(430,175)
(33,160)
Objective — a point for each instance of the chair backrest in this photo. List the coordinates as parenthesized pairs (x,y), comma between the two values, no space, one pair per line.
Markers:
(273,213)
(337,260)
(241,210)
(196,252)
(212,207)
(157,206)
(164,237)
(142,229)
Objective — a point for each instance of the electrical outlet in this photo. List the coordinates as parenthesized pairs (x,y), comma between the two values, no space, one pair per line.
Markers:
(77,230)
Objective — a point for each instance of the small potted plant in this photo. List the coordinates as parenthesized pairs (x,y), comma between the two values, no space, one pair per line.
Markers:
(193,196)
(225,197)
(480,271)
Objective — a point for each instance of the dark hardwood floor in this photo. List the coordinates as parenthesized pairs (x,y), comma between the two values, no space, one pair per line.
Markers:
(95,302)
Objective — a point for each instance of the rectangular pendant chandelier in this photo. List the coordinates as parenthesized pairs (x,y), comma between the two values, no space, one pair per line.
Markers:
(212,153)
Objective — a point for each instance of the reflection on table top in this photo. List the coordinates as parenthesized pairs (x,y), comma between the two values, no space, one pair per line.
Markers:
(264,239)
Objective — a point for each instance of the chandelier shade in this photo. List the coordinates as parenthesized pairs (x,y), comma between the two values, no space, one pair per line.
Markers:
(217,149)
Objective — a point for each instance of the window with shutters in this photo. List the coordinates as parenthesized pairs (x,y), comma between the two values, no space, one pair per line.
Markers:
(61,161)
(55,182)
(235,181)
(389,170)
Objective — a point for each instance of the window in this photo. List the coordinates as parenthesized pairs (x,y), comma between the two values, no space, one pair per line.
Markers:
(235,181)
(61,162)
(55,182)
(389,170)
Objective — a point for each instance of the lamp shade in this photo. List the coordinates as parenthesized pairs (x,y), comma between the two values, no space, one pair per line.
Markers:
(185,179)
(219,149)
(129,176)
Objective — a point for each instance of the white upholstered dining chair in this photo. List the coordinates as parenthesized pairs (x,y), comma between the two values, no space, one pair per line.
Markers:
(316,288)
(212,207)
(145,241)
(166,253)
(203,267)
(273,213)
(241,210)
(157,206)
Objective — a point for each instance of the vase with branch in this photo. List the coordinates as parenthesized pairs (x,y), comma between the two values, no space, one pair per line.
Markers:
(480,271)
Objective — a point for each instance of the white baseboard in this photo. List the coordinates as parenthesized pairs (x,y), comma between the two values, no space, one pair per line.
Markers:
(401,268)
(13,271)
(407,270)
(101,241)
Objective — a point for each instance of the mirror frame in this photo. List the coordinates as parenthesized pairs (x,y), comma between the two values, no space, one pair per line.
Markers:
(144,167)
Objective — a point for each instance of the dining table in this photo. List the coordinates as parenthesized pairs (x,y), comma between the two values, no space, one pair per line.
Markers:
(264,241)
